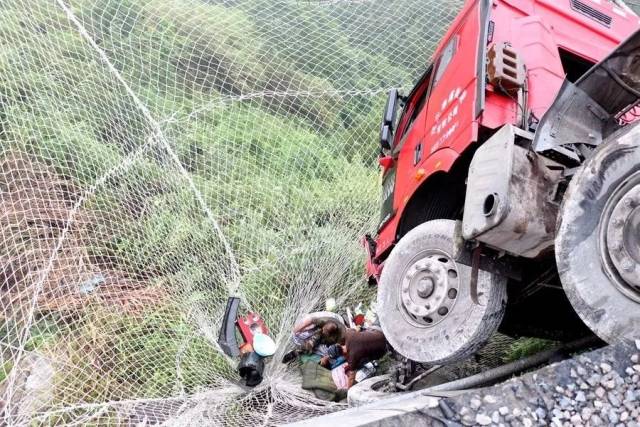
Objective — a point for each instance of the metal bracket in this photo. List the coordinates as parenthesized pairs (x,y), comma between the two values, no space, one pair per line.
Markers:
(487,260)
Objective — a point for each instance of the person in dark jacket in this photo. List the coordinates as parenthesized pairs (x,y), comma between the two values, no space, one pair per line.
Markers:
(359,348)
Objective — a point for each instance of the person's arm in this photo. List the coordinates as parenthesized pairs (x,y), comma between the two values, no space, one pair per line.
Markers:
(351,378)
(324,362)
(304,324)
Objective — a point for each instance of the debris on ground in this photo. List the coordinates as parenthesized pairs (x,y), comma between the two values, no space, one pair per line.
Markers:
(336,351)
(601,387)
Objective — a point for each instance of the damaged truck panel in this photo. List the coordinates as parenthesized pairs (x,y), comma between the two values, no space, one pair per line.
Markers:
(510,196)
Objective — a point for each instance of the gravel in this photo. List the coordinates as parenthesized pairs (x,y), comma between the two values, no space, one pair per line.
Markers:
(597,389)
(483,419)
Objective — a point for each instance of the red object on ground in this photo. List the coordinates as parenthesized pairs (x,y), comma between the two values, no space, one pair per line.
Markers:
(249,324)
(359,320)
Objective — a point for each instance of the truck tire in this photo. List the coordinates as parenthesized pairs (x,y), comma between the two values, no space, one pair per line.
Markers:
(424,298)
(367,391)
(598,239)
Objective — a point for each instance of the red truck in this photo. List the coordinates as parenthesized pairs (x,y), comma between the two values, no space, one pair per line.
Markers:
(511,182)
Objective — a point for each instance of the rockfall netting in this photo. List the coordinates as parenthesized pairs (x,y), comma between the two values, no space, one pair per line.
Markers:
(158,156)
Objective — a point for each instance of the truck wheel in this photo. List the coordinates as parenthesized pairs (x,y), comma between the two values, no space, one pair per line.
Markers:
(424,298)
(369,391)
(598,239)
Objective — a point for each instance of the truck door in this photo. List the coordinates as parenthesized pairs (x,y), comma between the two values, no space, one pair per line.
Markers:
(445,105)
(454,102)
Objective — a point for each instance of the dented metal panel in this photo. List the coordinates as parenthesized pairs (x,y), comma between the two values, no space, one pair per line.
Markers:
(509,203)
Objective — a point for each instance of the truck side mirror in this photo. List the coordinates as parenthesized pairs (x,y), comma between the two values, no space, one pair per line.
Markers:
(386,137)
(388,120)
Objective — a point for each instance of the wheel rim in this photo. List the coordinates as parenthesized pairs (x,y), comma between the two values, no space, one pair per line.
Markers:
(429,289)
(620,238)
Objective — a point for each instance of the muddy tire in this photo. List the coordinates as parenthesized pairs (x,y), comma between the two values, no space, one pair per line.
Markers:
(424,298)
(367,391)
(598,239)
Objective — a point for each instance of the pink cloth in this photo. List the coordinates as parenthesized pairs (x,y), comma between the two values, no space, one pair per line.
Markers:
(340,377)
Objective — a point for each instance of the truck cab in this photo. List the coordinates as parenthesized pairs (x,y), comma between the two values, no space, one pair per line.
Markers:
(454,107)
(498,70)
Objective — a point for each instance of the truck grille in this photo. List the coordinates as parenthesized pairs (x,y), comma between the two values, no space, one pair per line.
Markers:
(592,13)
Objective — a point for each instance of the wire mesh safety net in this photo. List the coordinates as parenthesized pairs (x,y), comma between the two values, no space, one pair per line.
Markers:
(158,156)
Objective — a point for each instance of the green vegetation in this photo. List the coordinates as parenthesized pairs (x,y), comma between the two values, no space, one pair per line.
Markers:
(271,109)
(524,347)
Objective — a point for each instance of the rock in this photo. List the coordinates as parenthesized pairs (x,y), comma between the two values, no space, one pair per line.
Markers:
(636,368)
(495,417)
(516,412)
(624,416)
(610,384)
(583,386)
(489,399)
(629,371)
(635,358)
(575,419)
(605,367)
(584,359)
(526,422)
(581,371)
(597,404)
(637,344)
(556,422)
(483,419)
(613,417)
(586,413)
(468,420)
(630,396)
(503,410)
(565,402)
(580,397)
(600,392)
(463,411)
(613,399)
(630,405)
(475,403)
(559,389)
(596,420)
(572,373)
(593,380)
(541,413)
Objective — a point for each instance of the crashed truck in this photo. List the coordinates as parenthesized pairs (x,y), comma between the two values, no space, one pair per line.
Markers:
(511,182)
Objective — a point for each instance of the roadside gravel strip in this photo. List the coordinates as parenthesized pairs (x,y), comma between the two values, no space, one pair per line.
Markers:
(597,388)
(601,387)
